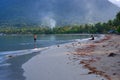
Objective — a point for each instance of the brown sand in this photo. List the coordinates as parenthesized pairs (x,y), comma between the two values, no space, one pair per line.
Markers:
(103,57)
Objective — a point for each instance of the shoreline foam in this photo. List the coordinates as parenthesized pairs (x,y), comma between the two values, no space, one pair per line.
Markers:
(56,63)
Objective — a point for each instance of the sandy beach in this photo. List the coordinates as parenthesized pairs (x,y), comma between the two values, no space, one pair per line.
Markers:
(90,60)
(104,57)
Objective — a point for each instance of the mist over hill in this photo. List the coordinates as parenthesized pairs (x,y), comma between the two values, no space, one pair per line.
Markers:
(56,12)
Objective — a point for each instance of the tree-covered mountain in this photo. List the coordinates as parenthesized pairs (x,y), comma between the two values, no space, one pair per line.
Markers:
(111,26)
(52,12)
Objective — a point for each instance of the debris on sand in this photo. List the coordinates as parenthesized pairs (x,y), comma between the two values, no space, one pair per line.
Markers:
(112,55)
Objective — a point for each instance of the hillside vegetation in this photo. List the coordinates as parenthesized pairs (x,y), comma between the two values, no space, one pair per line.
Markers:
(23,28)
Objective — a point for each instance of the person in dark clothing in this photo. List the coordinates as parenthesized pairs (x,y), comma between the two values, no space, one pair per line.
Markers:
(92,37)
(35,37)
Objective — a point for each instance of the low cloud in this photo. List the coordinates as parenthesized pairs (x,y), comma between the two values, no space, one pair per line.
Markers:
(116,2)
(49,22)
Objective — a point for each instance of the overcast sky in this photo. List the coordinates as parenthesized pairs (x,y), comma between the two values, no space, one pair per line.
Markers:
(58,12)
(116,2)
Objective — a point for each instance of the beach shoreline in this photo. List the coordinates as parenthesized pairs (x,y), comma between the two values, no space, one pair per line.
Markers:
(58,62)
(103,57)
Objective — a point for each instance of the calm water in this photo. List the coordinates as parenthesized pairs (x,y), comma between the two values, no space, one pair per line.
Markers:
(10,69)
(20,42)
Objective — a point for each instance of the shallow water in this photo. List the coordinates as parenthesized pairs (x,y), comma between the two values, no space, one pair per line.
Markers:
(10,69)
(24,44)
(20,42)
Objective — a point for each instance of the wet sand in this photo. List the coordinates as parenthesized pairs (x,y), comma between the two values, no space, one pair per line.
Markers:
(11,69)
(59,63)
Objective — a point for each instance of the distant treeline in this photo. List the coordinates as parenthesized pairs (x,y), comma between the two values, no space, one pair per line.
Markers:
(113,25)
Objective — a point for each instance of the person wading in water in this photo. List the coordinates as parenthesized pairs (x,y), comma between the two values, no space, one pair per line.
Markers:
(35,37)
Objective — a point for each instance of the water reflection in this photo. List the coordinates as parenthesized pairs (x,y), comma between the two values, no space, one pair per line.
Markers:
(21,42)
(35,44)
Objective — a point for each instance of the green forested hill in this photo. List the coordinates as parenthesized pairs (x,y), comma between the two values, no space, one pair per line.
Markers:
(104,27)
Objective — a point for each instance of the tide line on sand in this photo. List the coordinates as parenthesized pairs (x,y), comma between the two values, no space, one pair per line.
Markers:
(57,63)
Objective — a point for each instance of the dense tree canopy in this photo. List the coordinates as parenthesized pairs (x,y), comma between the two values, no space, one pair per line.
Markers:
(38,29)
